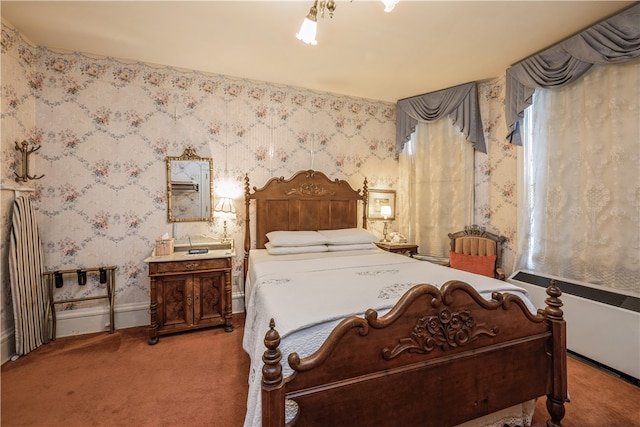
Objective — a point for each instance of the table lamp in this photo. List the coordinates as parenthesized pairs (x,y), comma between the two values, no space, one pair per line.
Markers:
(385,211)
(225,210)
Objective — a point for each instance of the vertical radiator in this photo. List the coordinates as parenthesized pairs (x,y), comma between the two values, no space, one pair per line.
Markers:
(603,324)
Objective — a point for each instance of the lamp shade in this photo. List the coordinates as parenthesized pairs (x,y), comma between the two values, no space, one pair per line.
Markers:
(385,211)
(308,32)
(225,209)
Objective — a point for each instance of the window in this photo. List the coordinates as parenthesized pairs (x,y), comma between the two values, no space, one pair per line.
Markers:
(580,216)
(436,185)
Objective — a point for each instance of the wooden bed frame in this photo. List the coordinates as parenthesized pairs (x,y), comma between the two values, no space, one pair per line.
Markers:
(438,358)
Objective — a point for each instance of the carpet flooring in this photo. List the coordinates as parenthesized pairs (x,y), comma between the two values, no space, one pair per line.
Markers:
(199,378)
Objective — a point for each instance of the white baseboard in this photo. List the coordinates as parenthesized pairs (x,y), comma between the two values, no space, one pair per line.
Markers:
(77,322)
(237,299)
(96,319)
(7,344)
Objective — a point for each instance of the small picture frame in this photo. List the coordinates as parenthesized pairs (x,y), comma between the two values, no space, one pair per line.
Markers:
(379,198)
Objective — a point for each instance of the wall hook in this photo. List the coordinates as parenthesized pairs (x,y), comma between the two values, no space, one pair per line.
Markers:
(25,150)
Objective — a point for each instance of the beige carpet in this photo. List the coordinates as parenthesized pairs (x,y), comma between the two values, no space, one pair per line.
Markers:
(191,379)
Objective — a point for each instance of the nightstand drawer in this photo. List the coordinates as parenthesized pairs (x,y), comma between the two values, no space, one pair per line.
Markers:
(190,265)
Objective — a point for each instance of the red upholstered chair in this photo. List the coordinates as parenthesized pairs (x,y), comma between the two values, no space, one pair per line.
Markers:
(477,251)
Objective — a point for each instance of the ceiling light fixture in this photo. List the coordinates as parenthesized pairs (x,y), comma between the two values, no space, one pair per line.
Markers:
(389,4)
(310,24)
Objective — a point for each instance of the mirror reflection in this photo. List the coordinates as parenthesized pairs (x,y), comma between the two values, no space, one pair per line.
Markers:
(189,187)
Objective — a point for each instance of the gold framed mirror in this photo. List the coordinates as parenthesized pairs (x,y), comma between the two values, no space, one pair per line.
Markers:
(189,187)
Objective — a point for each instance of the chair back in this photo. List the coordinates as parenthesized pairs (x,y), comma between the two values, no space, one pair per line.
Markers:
(475,241)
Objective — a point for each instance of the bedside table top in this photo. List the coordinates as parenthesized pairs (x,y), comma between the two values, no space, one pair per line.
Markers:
(392,245)
(186,256)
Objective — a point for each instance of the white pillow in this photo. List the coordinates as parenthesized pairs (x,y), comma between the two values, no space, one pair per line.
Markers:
(348,236)
(354,247)
(287,250)
(296,238)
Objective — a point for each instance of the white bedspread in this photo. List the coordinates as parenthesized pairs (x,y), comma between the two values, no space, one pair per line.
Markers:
(308,294)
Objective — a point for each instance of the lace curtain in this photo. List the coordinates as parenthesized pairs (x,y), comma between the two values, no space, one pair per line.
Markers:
(436,184)
(581,213)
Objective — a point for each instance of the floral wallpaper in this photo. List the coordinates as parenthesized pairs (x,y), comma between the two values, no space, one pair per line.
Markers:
(496,173)
(104,127)
(15,97)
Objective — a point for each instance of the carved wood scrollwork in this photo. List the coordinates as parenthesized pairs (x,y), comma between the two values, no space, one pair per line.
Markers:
(446,330)
(474,230)
(308,189)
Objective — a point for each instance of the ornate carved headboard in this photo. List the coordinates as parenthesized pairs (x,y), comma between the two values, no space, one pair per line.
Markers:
(306,201)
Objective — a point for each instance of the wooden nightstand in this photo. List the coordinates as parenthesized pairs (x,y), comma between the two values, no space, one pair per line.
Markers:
(190,292)
(399,248)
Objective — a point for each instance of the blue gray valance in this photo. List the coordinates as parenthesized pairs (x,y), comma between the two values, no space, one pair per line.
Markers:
(459,102)
(612,41)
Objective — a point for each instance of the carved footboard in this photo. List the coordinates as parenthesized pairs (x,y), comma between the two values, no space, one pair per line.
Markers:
(437,358)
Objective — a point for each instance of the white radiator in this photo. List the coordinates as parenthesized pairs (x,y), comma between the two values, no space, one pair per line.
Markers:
(603,324)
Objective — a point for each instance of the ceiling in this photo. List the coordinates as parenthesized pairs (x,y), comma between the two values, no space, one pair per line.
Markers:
(419,47)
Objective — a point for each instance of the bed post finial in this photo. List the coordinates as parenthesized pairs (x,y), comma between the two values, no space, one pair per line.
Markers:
(553,310)
(554,315)
(272,380)
(247,228)
(365,201)
(272,369)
